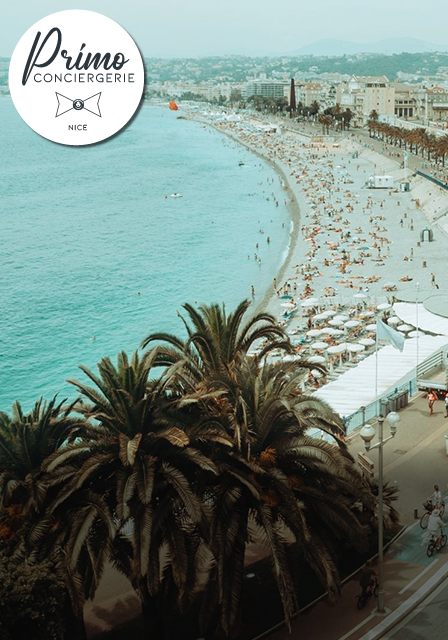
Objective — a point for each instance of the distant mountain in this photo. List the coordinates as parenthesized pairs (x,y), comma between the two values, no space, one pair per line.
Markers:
(388,46)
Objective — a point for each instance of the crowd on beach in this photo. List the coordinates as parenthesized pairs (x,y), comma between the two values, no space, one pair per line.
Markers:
(355,249)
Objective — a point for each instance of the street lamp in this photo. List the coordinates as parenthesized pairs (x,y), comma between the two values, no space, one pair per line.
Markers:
(367,433)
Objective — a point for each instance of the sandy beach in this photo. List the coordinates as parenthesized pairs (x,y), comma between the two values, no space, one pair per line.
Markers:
(347,239)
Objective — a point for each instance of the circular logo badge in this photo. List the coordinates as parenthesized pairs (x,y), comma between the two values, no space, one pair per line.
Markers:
(76,77)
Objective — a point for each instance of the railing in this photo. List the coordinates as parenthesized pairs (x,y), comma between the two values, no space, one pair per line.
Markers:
(432,362)
(372,410)
(428,177)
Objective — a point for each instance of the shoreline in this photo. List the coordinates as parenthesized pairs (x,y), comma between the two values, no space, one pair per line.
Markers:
(264,305)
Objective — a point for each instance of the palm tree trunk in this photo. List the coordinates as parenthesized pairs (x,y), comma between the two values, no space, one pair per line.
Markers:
(154,622)
(75,628)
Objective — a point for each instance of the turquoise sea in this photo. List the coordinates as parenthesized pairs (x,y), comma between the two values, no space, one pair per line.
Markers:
(94,257)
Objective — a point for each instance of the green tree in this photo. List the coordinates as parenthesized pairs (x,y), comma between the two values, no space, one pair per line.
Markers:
(32,600)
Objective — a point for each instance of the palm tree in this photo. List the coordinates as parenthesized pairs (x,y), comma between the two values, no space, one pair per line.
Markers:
(26,441)
(347,117)
(143,467)
(34,529)
(216,340)
(374,115)
(284,486)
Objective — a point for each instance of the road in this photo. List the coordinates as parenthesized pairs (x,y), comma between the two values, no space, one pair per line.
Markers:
(429,620)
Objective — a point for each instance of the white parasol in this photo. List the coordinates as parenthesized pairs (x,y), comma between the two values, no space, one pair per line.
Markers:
(393,321)
(316,359)
(319,346)
(309,302)
(371,327)
(313,333)
(360,295)
(405,328)
(383,306)
(288,305)
(367,342)
(355,348)
(351,324)
(335,322)
(338,348)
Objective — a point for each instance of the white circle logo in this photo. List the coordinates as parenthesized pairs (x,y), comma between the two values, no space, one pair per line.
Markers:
(76,77)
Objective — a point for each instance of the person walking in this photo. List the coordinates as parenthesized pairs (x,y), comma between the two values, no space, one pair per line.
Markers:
(431,399)
(446,404)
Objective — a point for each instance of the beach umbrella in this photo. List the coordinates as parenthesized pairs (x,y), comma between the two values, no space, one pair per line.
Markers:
(367,342)
(329,331)
(329,313)
(351,324)
(393,320)
(405,328)
(288,305)
(338,332)
(316,359)
(355,348)
(371,327)
(366,314)
(309,302)
(319,316)
(342,317)
(415,334)
(313,333)
(319,346)
(338,348)
(383,306)
(335,322)
(360,295)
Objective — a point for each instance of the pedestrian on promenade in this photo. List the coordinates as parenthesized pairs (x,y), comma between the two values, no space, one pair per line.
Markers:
(431,399)
(435,526)
(446,404)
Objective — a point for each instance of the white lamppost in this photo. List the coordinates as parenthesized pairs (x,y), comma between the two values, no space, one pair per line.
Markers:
(367,433)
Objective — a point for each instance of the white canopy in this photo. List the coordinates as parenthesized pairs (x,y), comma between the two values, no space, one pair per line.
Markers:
(383,306)
(366,314)
(371,327)
(329,331)
(288,305)
(329,313)
(342,317)
(393,321)
(313,333)
(351,324)
(427,320)
(405,328)
(394,369)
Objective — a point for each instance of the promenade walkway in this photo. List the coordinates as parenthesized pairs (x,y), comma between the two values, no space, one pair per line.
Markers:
(415,460)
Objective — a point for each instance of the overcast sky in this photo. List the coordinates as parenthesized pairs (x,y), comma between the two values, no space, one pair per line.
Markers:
(182,28)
